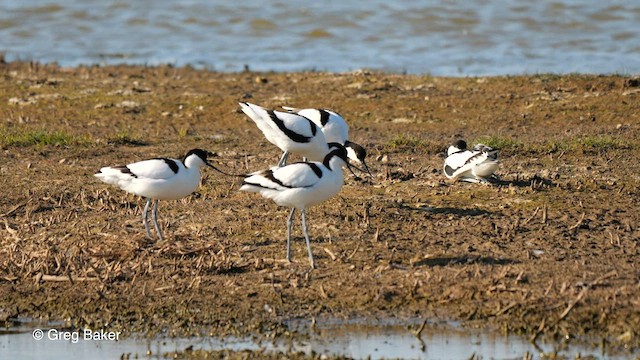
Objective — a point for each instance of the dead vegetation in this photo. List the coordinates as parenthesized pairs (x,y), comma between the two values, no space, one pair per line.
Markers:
(552,250)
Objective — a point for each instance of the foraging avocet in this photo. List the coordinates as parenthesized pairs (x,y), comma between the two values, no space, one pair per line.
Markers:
(335,129)
(477,165)
(158,179)
(292,133)
(300,185)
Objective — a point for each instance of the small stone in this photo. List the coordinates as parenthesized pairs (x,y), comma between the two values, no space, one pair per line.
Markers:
(128,104)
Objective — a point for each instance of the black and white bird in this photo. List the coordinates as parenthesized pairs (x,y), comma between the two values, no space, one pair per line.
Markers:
(296,134)
(300,185)
(477,165)
(335,129)
(158,179)
(292,133)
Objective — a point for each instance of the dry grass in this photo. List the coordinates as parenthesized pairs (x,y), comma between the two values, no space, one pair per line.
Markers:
(526,256)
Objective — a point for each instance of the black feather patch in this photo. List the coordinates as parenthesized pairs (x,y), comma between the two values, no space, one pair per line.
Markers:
(340,152)
(361,153)
(258,185)
(269,175)
(475,156)
(291,134)
(171,163)
(449,170)
(126,170)
(324,117)
(316,169)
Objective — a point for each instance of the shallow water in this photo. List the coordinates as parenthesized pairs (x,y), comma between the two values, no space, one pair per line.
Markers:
(390,338)
(452,38)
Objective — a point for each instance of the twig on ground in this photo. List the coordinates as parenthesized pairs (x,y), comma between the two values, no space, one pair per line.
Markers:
(578,223)
(62,278)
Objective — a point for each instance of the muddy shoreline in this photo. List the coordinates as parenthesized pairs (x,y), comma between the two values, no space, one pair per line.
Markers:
(552,250)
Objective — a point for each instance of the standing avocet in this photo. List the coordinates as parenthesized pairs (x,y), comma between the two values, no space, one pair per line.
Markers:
(476,165)
(158,179)
(335,129)
(300,185)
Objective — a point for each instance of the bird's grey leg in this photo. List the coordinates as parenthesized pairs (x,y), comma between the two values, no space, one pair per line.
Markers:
(144,218)
(289,226)
(155,219)
(283,159)
(306,237)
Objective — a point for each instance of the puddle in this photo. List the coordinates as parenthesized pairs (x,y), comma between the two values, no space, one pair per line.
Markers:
(358,339)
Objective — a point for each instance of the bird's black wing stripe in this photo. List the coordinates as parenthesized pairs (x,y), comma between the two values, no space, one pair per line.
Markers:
(269,175)
(291,134)
(126,170)
(258,185)
(316,169)
(324,117)
(313,126)
(473,158)
(171,163)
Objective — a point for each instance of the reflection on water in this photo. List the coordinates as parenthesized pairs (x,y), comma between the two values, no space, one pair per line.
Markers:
(361,338)
(454,37)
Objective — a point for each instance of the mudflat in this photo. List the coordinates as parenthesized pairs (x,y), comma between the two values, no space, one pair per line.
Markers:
(552,249)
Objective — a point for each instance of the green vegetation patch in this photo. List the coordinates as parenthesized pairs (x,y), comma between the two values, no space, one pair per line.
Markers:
(24,138)
(580,144)
(411,142)
(499,142)
(125,138)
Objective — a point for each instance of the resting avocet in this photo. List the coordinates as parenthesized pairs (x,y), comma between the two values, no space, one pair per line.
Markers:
(335,129)
(300,185)
(158,179)
(477,165)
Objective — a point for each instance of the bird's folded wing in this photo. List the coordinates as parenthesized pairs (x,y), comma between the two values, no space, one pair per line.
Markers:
(158,169)
(295,123)
(456,160)
(461,170)
(297,175)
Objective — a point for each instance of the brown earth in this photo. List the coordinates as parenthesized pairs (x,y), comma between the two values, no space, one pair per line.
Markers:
(552,250)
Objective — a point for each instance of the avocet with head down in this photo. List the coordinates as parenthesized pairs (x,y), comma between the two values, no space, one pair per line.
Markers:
(300,185)
(477,165)
(296,134)
(335,129)
(158,179)
(292,133)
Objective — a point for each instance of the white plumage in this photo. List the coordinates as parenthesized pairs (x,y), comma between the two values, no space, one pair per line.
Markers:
(292,133)
(300,185)
(158,179)
(476,165)
(333,125)
(335,129)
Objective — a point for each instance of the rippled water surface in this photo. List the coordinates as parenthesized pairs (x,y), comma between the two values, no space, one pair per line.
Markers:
(454,37)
